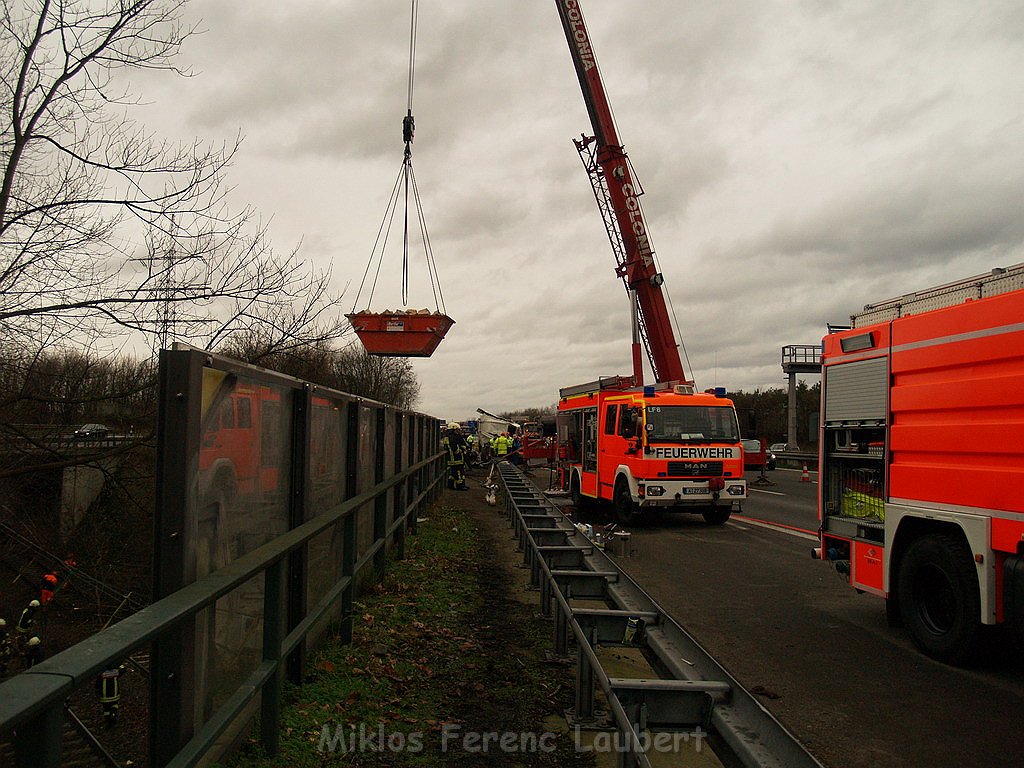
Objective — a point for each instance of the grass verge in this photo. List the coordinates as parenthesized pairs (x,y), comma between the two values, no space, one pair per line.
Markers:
(444,668)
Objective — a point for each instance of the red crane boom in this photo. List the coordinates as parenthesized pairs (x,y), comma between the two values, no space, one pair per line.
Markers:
(618,199)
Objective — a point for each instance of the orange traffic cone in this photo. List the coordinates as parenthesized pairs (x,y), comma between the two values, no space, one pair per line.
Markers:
(806,476)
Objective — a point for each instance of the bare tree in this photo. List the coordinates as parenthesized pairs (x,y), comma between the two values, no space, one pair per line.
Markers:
(107,231)
(349,368)
(388,379)
(103,226)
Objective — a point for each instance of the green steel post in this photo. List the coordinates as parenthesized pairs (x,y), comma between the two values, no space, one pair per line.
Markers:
(349,530)
(398,495)
(273,634)
(298,570)
(380,504)
(415,485)
(172,656)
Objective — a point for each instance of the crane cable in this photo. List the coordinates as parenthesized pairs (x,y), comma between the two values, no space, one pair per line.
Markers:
(404,185)
(408,129)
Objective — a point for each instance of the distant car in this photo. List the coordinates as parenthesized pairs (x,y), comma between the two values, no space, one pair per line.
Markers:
(91,432)
(752,456)
(778,447)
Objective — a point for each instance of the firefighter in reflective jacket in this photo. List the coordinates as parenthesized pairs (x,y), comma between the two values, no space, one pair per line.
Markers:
(501,445)
(33,652)
(455,445)
(27,617)
(108,688)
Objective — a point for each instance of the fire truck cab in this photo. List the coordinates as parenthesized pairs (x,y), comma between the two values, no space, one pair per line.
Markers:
(662,447)
(922,461)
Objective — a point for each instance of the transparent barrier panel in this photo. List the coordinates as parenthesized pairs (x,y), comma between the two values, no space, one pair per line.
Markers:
(328,453)
(241,502)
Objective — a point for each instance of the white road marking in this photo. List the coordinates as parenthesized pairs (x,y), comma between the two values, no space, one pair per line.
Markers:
(780,529)
(773,493)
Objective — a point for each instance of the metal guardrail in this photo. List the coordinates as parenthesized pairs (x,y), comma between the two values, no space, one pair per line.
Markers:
(693,690)
(32,703)
(319,462)
(796,459)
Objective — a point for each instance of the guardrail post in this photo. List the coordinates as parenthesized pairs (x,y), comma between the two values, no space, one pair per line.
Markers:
(39,742)
(273,635)
(584,679)
(535,558)
(561,631)
(626,753)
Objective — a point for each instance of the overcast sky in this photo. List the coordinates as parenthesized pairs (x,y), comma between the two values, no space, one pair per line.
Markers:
(799,160)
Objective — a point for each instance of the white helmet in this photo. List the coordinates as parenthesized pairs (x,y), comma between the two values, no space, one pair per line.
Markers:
(2,623)
(34,604)
(453,425)
(33,641)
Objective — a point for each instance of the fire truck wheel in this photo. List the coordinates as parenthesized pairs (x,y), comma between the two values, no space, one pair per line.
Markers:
(716,515)
(579,501)
(625,510)
(938,595)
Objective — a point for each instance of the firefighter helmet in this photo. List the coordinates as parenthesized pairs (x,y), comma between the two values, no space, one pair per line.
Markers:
(3,623)
(453,425)
(34,641)
(34,604)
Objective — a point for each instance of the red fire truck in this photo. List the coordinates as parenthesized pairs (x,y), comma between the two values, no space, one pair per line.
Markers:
(922,458)
(241,451)
(661,446)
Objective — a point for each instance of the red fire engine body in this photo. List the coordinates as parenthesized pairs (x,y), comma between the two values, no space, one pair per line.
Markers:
(657,447)
(641,447)
(236,456)
(922,459)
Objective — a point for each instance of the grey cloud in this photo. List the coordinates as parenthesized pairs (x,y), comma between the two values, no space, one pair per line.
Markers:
(799,160)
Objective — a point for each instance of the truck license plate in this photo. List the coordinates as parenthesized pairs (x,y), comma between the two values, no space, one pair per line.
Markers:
(694,491)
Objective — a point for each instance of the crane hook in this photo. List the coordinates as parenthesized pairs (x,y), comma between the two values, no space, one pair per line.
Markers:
(408,127)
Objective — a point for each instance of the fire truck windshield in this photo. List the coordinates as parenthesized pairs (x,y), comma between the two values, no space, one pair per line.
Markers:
(686,423)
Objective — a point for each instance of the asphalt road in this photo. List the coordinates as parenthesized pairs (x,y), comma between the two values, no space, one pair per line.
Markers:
(854,690)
